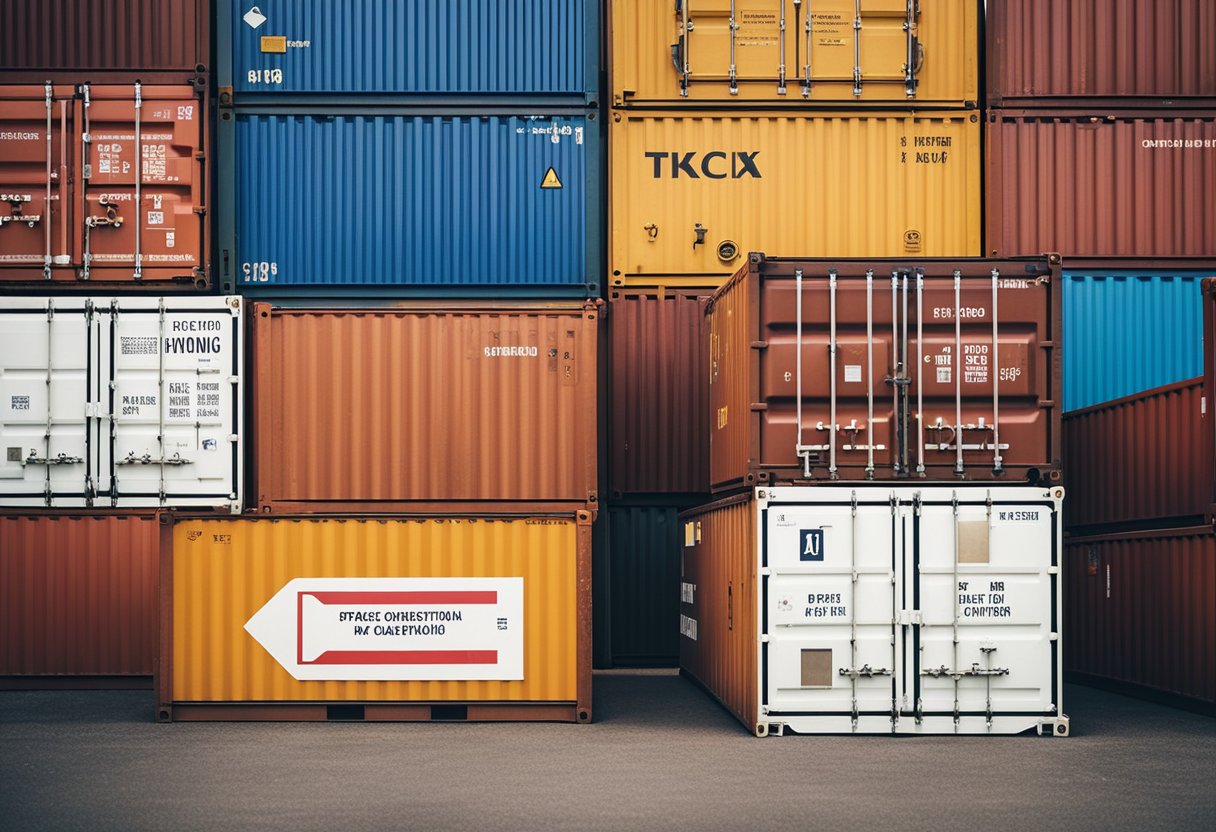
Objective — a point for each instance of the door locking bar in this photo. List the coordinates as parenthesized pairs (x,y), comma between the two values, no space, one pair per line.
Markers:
(147,459)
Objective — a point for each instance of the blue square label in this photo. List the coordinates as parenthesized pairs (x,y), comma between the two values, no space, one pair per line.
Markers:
(810,544)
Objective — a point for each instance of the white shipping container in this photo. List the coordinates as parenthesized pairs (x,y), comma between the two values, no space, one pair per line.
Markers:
(878,610)
(121,402)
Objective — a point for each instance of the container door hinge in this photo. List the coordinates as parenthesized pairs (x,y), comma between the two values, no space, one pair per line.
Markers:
(910,618)
(92,410)
(1053,570)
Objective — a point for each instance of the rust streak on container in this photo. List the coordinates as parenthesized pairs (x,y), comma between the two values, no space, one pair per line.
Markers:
(659,398)
(1141,612)
(1095,185)
(162,40)
(393,409)
(77,599)
(754,356)
(1120,51)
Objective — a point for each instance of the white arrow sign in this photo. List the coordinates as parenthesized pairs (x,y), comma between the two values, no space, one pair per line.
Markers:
(395,628)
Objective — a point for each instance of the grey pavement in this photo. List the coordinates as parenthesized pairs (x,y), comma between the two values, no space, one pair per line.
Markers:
(661,754)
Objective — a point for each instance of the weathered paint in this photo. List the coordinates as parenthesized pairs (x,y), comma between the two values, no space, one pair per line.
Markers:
(650,45)
(693,193)
(383,409)
(217,574)
(77,599)
(426,48)
(349,204)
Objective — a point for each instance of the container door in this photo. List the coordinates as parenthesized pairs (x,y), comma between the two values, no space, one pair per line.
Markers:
(985,651)
(45,430)
(173,367)
(34,122)
(143,193)
(832,650)
(861,40)
(733,41)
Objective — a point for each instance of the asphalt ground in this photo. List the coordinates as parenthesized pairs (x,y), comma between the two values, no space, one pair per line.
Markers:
(661,754)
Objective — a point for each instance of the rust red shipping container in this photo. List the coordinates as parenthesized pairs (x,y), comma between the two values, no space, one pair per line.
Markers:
(659,395)
(1117,52)
(78,599)
(1141,612)
(1147,460)
(426,406)
(1137,184)
(933,370)
(165,41)
(104,184)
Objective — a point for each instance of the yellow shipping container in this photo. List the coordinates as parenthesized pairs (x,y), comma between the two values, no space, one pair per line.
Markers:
(692,193)
(403,618)
(775,52)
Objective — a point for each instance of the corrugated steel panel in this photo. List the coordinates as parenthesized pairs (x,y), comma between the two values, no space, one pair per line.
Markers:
(659,399)
(1127,331)
(718,643)
(347,203)
(1085,184)
(644,585)
(218,574)
(77,595)
(693,193)
(776,48)
(391,407)
(106,184)
(545,48)
(1159,51)
(1145,458)
(824,369)
(53,38)
(1141,612)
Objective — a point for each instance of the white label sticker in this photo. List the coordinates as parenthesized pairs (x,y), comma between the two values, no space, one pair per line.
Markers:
(395,628)
(254,18)
(852,372)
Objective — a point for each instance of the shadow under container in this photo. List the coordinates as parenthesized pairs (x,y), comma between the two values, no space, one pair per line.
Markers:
(78,599)
(920,370)
(401,618)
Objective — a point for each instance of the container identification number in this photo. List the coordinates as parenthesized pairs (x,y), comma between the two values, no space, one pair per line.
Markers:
(266,76)
(260,272)
(963,312)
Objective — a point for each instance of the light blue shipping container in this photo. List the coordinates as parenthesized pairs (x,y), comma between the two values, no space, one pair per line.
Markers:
(1128,331)
(411,204)
(542,50)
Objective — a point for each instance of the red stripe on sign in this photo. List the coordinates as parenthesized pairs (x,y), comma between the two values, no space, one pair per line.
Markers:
(432,597)
(406,657)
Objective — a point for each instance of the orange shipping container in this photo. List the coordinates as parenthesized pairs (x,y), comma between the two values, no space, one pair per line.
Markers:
(77,600)
(105,184)
(410,618)
(423,406)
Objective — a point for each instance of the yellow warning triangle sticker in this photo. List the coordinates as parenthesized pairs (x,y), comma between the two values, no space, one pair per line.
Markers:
(551,180)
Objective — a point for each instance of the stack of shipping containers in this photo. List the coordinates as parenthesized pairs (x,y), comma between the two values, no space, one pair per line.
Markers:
(408,202)
(1110,111)
(746,126)
(120,380)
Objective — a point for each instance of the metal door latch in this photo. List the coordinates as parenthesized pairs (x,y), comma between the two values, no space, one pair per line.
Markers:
(974,670)
(62,459)
(864,670)
(700,231)
(146,459)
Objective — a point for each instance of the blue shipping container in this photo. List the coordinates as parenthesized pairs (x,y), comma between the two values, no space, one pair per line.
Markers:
(428,204)
(1127,331)
(540,49)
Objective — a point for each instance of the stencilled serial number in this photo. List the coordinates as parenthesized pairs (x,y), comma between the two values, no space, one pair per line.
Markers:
(947,312)
(265,76)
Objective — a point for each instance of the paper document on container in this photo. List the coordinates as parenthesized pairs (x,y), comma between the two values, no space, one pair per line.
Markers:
(395,628)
